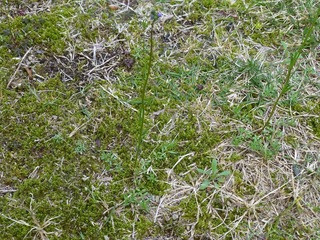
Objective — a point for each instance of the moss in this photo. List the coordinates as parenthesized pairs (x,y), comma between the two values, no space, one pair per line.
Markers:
(144,227)
(235,157)
(43,30)
(314,122)
(291,140)
(285,225)
(241,187)
(313,108)
(29,141)
(72,206)
(206,223)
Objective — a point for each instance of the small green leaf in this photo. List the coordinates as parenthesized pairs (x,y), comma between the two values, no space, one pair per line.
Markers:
(296,170)
(224,173)
(220,179)
(204,184)
(214,166)
(207,172)
(284,45)
(216,185)
(135,101)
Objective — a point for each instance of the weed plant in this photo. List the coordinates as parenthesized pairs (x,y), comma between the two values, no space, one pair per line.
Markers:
(154,17)
(294,56)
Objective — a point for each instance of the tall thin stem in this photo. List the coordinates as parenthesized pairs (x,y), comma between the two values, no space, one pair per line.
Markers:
(143,95)
(285,85)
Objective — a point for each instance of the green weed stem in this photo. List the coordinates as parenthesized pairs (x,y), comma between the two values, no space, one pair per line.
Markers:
(285,87)
(143,95)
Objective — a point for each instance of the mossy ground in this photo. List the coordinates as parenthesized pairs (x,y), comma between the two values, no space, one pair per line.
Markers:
(70,78)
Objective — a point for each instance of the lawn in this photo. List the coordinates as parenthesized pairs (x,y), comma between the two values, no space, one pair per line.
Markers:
(211,133)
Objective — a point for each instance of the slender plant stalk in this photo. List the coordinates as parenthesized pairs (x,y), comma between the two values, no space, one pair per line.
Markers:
(143,95)
(285,85)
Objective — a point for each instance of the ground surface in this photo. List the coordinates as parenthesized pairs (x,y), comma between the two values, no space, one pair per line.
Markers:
(70,79)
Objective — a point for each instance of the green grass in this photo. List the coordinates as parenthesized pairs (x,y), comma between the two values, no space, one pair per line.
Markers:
(71,76)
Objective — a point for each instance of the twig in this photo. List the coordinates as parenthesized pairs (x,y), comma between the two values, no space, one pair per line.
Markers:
(78,128)
(179,160)
(7,191)
(110,91)
(20,63)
